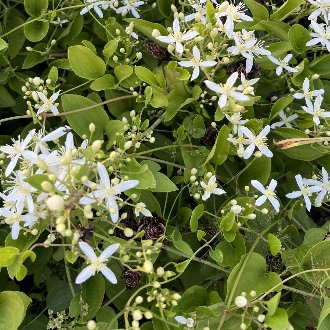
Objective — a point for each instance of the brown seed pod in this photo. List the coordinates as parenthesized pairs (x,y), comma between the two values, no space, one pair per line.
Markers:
(131,278)
(153,227)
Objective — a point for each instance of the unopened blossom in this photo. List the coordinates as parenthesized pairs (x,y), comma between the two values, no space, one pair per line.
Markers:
(97,264)
(141,208)
(322,9)
(241,301)
(282,64)
(286,120)
(268,193)
(129,6)
(232,13)
(246,85)
(316,111)
(48,104)
(189,322)
(256,141)
(226,90)
(18,150)
(304,190)
(238,141)
(211,188)
(177,37)
(108,192)
(197,63)
(321,35)
(307,93)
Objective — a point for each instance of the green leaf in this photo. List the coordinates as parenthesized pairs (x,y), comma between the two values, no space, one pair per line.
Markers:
(35,7)
(183,247)
(3,45)
(16,39)
(36,180)
(195,216)
(113,128)
(36,30)
(163,183)
(146,75)
(298,37)
(122,72)
(279,105)
(85,63)
(103,83)
(59,295)
(321,65)
(274,244)
(110,48)
(8,255)
(6,100)
(324,320)
(220,150)
(106,314)
(164,6)
(80,122)
(278,28)
(192,298)
(135,171)
(92,292)
(251,274)
(258,11)
(273,304)
(257,169)
(227,221)
(217,255)
(286,9)
(279,320)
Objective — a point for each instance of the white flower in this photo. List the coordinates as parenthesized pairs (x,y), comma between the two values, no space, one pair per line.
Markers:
(177,37)
(97,264)
(241,301)
(48,103)
(258,141)
(237,121)
(307,93)
(320,36)
(141,208)
(232,13)
(196,63)
(316,110)
(285,120)
(189,322)
(323,8)
(304,191)
(267,193)
(246,86)
(240,141)
(226,90)
(323,186)
(59,21)
(211,188)
(17,151)
(108,192)
(282,64)
(130,6)
(94,4)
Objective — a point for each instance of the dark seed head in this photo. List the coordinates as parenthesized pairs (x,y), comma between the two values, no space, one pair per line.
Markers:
(240,67)
(131,278)
(274,263)
(86,233)
(156,51)
(153,227)
(210,136)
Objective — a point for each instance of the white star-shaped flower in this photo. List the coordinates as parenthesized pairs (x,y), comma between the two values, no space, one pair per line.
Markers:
(267,193)
(321,35)
(211,188)
(285,120)
(322,186)
(97,264)
(282,64)
(141,208)
(256,141)
(189,322)
(130,6)
(307,93)
(48,104)
(316,111)
(196,63)
(106,191)
(226,90)
(177,37)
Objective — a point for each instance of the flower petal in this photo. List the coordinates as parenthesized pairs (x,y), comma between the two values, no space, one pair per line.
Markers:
(85,274)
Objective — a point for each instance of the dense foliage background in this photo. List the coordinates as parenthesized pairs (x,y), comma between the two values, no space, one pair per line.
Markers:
(164,164)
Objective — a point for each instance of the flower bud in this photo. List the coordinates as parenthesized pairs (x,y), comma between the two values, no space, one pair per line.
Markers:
(55,203)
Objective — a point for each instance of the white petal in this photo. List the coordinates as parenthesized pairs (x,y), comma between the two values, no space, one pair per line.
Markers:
(85,274)
(294,194)
(181,319)
(109,251)
(275,203)
(126,185)
(272,185)
(213,86)
(262,199)
(104,175)
(108,274)
(88,251)
(256,184)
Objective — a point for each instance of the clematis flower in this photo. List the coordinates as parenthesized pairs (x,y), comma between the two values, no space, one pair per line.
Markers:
(189,322)
(177,37)
(282,64)
(322,186)
(322,9)
(307,93)
(285,120)
(321,35)
(226,90)
(48,103)
(129,6)
(316,110)
(141,208)
(97,264)
(211,188)
(108,192)
(95,4)
(267,193)
(256,141)
(196,63)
